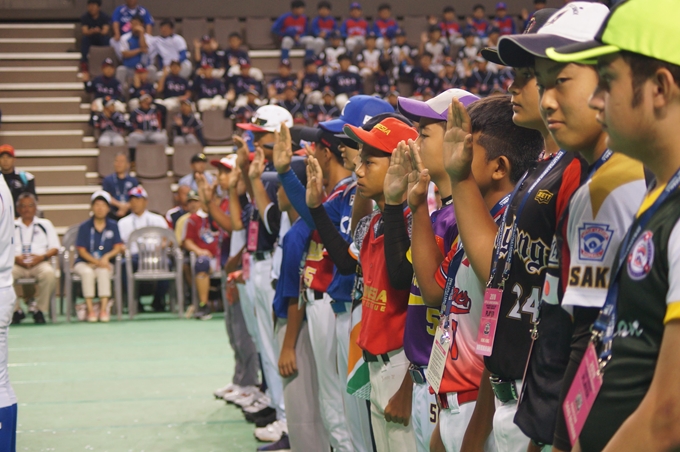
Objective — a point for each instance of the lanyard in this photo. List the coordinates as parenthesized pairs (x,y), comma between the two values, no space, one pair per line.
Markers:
(21,233)
(102,240)
(601,161)
(134,221)
(604,325)
(499,238)
(454,266)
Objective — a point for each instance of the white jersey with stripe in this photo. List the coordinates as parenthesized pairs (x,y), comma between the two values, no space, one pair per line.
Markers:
(6,235)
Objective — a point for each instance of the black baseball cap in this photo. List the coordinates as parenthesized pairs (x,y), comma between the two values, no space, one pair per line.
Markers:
(322,136)
(200,157)
(297,165)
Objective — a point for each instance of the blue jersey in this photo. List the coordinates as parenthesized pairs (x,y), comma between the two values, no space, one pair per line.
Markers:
(288,285)
(123,15)
(105,87)
(119,188)
(175,86)
(95,242)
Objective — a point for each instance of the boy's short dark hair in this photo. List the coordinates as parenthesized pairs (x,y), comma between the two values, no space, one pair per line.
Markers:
(324,4)
(138,18)
(234,35)
(168,22)
(297,4)
(344,56)
(478,6)
(500,136)
(448,9)
(643,68)
(384,6)
(426,55)
(95,2)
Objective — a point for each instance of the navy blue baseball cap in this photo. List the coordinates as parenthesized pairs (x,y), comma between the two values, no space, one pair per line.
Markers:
(356,112)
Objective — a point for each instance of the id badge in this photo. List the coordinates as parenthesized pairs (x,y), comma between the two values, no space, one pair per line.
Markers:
(582,393)
(487,326)
(245,261)
(26,249)
(207,237)
(97,254)
(440,353)
(253,230)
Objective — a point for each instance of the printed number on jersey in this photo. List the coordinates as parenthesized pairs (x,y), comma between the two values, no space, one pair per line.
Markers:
(528,305)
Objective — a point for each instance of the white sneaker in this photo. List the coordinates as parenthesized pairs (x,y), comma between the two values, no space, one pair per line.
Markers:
(230,388)
(231,396)
(272,432)
(248,397)
(258,405)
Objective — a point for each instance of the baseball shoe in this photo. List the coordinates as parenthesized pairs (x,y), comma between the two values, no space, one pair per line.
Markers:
(257,405)
(271,433)
(17,317)
(203,312)
(248,398)
(262,418)
(39,318)
(282,445)
(221,392)
(229,397)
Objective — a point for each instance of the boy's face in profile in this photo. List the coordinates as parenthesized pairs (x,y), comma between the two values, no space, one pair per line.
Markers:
(234,42)
(371,172)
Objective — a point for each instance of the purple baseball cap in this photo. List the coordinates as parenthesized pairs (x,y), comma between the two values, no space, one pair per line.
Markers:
(501,5)
(355,5)
(436,108)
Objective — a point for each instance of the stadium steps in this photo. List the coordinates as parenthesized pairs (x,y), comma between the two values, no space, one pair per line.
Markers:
(33,44)
(42,139)
(37,30)
(57,175)
(34,74)
(40,105)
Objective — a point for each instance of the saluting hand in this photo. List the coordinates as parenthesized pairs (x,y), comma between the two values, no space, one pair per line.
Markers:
(457,148)
(241,151)
(257,165)
(398,175)
(234,177)
(283,150)
(315,192)
(417,195)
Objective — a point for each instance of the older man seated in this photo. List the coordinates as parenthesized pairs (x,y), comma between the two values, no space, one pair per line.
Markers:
(35,242)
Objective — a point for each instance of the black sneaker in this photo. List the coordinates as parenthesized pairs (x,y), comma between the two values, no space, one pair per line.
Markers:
(203,312)
(282,445)
(262,418)
(39,318)
(17,317)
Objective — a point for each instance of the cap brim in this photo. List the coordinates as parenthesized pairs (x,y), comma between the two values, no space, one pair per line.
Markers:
(218,163)
(490,54)
(250,126)
(521,50)
(582,52)
(310,134)
(357,134)
(333,125)
(416,109)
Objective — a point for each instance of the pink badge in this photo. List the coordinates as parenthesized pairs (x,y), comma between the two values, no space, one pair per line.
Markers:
(253,229)
(582,393)
(487,326)
(245,260)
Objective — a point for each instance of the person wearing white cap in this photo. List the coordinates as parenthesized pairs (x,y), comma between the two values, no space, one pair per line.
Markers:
(98,242)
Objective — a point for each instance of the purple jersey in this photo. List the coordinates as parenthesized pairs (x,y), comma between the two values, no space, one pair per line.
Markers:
(422,320)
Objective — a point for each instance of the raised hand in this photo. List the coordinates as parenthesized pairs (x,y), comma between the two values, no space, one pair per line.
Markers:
(398,175)
(283,150)
(315,192)
(234,177)
(241,152)
(257,165)
(457,148)
(417,195)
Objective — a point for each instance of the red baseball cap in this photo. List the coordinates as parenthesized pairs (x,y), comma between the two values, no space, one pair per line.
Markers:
(6,149)
(228,162)
(384,136)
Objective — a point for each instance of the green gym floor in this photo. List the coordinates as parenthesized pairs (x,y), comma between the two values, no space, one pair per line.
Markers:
(142,385)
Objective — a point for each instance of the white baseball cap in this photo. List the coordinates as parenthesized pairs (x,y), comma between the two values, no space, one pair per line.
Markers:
(576,22)
(100,194)
(268,118)
(228,162)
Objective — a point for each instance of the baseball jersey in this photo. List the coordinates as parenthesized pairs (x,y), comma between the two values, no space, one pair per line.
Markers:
(118,188)
(212,59)
(354,27)
(171,48)
(175,86)
(385,27)
(371,58)
(289,25)
(131,42)
(102,86)
(424,79)
(648,298)
(173,215)
(207,88)
(191,125)
(204,233)
(95,242)
(115,123)
(288,284)
(346,83)
(6,235)
(582,253)
(422,320)
(132,222)
(544,194)
(280,83)
(482,83)
(123,15)
(323,112)
(241,84)
(235,56)
(331,54)
(269,220)
(480,26)
(146,120)
(326,24)
(144,88)
(506,25)
(312,81)
(450,28)
(39,236)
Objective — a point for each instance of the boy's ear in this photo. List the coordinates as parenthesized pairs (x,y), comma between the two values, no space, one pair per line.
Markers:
(502,168)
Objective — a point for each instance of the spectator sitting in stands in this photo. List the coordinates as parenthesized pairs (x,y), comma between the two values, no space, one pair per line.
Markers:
(467,55)
(284,79)
(172,215)
(104,86)
(234,55)
(450,78)
(140,218)
(526,17)
(355,28)
(385,26)
(121,22)
(291,28)
(345,83)
(173,87)
(187,128)
(35,243)
(324,24)
(95,28)
(291,103)
(209,91)
(451,27)
(140,85)
(432,43)
(402,54)
(171,47)
(478,22)
(310,83)
(240,84)
(205,52)
(18,181)
(493,37)
(146,123)
(111,125)
(482,81)
(199,165)
(243,113)
(368,59)
(384,83)
(118,185)
(325,111)
(98,242)
(427,94)
(423,77)
(332,52)
(504,23)
(136,48)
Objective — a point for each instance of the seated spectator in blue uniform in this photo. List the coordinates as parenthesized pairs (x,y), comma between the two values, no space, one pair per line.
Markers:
(95,28)
(121,22)
(187,128)
(111,124)
(292,29)
(140,85)
(291,103)
(478,22)
(146,124)
(311,83)
(243,113)
(103,86)
(504,23)
(281,81)
(97,243)
(345,83)
(324,23)
(482,81)
(234,55)
(209,91)
(385,26)
(173,87)
(355,28)
(118,184)
(422,76)
(325,111)
(171,47)
(241,83)
(136,47)
(205,52)
(199,164)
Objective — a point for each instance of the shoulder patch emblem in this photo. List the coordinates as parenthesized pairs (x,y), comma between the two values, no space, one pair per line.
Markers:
(641,258)
(543,196)
(593,240)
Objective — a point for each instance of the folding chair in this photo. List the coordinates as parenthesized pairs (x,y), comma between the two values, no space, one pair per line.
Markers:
(156,247)
(181,159)
(221,275)
(53,297)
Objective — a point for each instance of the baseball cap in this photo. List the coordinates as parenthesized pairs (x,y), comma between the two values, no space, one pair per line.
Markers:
(328,92)
(100,194)
(140,68)
(205,38)
(371,35)
(319,135)
(436,108)
(193,196)
(268,118)
(355,5)
(356,112)
(501,5)
(634,26)
(576,22)
(400,32)
(244,63)
(228,162)
(200,157)
(107,62)
(285,62)
(384,136)
(138,192)
(145,95)
(253,90)
(536,22)
(6,149)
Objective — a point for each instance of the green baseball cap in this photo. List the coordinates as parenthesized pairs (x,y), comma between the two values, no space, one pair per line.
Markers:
(635,26)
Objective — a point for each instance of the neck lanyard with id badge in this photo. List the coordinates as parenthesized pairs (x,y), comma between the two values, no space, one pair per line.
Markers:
(588,378)
(99,251)
(493,296)
(26,247)
(253,231)
(446,331)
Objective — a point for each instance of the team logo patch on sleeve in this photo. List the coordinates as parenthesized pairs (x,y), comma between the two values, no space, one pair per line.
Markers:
(641,258)
(593,239)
